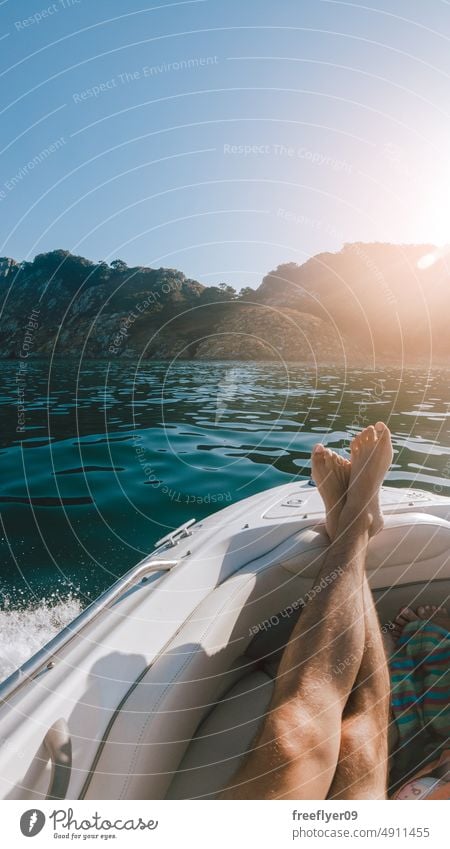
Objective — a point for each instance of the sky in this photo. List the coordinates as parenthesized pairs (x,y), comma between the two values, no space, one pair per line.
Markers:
(222,138)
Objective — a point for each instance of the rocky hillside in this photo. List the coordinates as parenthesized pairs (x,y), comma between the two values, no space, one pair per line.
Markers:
(261,332)
(367,300)
(65,304)
(390,300)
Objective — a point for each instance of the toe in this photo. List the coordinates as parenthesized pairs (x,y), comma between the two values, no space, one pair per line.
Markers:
(382,430)
(356,443)
(318,449)
(426,610)
(404,615)
(369,434)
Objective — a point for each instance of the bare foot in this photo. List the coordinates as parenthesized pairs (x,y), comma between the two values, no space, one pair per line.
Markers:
(331,474)
(404,615)
(371,452)
(428,612)
(433,613)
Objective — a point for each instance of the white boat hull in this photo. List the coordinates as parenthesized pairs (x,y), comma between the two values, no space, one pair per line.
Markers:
(132,681)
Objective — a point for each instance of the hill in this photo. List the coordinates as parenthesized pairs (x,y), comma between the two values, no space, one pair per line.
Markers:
(366,303)
(386,298)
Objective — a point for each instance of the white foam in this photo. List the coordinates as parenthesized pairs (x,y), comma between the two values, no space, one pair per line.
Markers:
(25,630)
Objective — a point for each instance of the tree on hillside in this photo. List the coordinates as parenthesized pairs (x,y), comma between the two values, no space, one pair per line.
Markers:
(73,271)
(216,294)
(247,294)
(102,271)
(119,265)
(51,261)
(227,290)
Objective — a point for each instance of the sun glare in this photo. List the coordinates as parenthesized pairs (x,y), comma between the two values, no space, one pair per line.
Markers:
(432,258)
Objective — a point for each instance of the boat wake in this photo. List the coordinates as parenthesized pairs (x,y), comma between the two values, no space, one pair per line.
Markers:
(25,630)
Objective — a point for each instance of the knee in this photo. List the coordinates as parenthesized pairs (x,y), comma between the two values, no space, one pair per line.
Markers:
(296,733)
(364,743)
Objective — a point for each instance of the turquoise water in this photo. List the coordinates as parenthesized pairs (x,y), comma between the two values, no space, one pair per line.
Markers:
(113,456)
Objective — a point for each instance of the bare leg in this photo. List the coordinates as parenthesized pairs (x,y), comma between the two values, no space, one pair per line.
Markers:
(296,753)
(362,769)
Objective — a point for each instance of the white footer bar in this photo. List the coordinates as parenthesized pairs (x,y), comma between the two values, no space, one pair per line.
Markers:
(226,825)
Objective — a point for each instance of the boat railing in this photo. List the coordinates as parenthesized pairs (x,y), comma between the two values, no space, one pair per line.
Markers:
(43,660)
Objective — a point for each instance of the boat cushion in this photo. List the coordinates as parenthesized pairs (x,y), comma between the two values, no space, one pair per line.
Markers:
(223,739)
(406,539)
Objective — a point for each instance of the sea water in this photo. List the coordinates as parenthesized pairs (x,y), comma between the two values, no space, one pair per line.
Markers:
(114,455)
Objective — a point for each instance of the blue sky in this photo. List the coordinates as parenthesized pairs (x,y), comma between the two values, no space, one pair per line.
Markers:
(222,138)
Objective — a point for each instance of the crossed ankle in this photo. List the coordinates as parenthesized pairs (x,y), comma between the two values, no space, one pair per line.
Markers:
(356,517)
